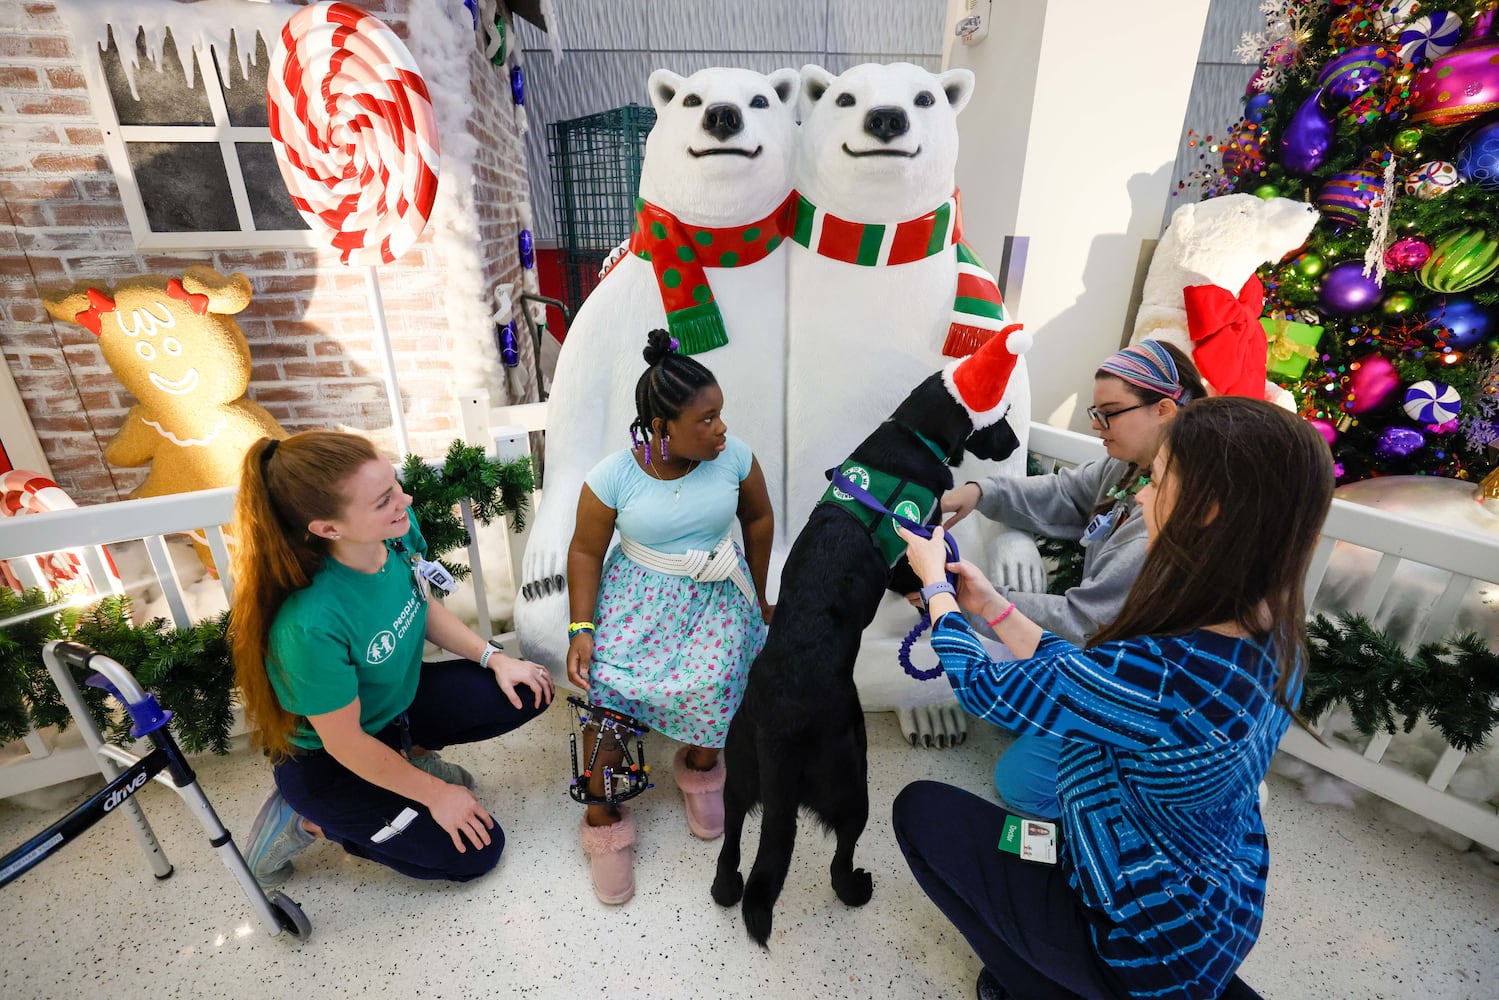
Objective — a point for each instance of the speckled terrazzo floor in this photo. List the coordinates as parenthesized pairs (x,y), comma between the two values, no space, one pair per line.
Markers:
(1357,908)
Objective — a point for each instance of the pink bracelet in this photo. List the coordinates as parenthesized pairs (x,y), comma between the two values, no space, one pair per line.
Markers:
(1001,616)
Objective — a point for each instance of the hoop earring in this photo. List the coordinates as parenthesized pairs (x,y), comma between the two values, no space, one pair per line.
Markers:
(664,439)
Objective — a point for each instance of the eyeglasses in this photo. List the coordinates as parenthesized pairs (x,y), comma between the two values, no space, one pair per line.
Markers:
(1104,418)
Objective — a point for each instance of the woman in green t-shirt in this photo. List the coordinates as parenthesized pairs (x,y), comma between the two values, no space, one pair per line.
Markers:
(328,627)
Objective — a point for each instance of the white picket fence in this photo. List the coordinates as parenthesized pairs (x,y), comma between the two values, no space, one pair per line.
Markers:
(1464,557)
(83,532)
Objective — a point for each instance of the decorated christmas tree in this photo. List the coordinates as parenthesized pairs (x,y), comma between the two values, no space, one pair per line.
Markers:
(1385,326)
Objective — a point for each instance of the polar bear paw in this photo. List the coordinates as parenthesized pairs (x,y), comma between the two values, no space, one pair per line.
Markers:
(940,725)
(1016,564)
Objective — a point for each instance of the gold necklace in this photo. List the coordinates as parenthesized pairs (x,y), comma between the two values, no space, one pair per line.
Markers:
(678,480)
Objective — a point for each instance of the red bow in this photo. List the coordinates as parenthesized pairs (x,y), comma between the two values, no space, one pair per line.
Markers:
(1230,344)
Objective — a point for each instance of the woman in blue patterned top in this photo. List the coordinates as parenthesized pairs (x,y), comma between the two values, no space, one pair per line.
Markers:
(1169,718)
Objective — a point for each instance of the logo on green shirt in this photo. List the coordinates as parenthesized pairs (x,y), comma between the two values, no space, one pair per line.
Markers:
(381,646)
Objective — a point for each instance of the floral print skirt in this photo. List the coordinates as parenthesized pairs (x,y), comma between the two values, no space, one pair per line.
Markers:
(671,651)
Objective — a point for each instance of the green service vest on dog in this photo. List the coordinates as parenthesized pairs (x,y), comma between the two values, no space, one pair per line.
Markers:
(900,496)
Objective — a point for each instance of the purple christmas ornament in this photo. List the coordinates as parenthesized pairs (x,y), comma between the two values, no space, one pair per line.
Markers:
(509,348)
(517,86)
(527,250)
(1346,291)
(1304,145)
(1356,70)
(1399,442)
(1478,157)
(1256,106)
(1461,323)
(1326,429)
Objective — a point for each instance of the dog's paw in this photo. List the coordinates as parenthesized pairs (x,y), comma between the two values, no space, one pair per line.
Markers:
(728,888)
(856,889)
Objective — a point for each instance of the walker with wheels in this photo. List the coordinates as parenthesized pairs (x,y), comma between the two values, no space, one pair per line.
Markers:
(126,774)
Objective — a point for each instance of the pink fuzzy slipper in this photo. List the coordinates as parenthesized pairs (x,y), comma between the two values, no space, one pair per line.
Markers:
(703,792)
(611,857)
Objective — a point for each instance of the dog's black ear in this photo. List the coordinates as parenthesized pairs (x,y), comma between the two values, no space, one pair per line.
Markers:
(995,442)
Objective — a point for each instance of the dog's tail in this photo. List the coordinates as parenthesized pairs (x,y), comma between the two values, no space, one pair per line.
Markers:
(780,789)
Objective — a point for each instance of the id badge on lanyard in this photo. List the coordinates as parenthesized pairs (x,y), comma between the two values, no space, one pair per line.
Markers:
(1102,525)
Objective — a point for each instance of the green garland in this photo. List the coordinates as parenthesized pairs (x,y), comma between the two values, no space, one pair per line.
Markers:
(1454,683)
(495,489)
(190,670)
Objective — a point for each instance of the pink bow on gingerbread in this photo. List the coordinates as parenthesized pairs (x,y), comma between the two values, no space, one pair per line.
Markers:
(1229,343)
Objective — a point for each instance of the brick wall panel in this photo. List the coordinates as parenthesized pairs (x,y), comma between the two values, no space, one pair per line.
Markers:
(315,362)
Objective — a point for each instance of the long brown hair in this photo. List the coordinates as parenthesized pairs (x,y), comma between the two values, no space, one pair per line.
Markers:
(283,487)
(1252,486)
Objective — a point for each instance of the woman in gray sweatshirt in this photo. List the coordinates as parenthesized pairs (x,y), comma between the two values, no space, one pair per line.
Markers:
(1136,392)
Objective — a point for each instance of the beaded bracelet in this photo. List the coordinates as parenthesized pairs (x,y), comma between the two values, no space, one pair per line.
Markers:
(992,622)
(574,628)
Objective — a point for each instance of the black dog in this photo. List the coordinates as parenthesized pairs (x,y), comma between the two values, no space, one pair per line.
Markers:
(798,739)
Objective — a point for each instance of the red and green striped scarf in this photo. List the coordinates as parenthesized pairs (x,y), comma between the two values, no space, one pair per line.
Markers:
(678,253)
(978,311)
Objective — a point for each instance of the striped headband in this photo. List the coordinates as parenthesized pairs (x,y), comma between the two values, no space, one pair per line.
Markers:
(1147,365)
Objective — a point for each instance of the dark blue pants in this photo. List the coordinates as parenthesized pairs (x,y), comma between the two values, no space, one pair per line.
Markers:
(457,701)
(1022,919)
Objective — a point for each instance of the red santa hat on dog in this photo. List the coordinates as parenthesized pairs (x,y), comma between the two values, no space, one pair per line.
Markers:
(981,381)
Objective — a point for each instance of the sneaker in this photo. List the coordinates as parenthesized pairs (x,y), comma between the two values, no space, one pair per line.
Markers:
(444,770)
(989,988)
(275,839)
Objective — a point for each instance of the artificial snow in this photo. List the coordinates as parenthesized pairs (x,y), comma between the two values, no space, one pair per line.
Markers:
(193,25)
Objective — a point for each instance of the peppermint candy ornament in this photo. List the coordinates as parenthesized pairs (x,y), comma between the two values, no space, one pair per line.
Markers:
(1428,402)
(1431,180)
(1430,37)
(354,132)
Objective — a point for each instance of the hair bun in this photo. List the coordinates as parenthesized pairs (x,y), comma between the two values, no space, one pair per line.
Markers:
(658,344)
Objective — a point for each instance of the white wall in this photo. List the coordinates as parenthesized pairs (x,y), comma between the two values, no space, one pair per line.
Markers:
(1070,140)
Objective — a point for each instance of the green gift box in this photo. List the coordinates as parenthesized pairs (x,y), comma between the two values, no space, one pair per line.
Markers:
(1291,346)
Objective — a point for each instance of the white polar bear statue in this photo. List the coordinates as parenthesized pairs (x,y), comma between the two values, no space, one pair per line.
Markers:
(719,157)
(1221,241)
(873,292)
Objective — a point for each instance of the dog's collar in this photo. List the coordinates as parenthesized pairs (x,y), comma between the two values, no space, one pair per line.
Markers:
(932,446)
(908,499)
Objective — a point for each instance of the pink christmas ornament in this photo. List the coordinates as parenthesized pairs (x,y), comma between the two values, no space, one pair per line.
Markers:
(1459,86)
(1407,254)
(1372,384)
(1325,428)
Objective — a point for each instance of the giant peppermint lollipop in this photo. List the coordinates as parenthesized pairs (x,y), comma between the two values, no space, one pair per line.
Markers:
(354,131)
(356,139)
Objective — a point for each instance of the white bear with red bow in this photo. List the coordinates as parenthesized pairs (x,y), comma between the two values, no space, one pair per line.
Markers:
(1201,293)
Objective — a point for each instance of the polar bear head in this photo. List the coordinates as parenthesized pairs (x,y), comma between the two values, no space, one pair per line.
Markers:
(879,142)
(1224,240)
(720,152)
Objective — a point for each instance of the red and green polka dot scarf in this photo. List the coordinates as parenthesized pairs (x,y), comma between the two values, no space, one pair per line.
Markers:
(678,253)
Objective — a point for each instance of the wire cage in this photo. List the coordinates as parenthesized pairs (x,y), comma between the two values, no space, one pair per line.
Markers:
(595,162)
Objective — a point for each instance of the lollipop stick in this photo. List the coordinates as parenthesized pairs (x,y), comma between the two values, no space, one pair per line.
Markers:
(387,359)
